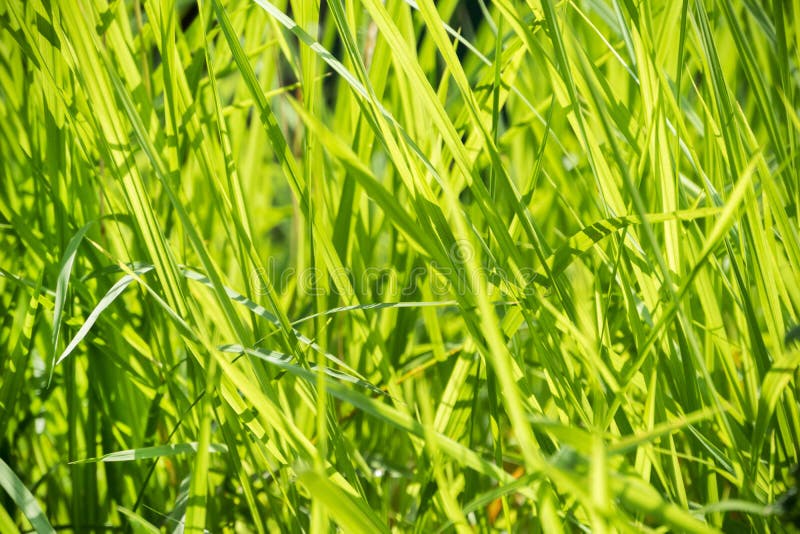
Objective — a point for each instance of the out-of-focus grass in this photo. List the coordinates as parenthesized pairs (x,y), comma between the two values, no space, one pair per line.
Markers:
(399,266)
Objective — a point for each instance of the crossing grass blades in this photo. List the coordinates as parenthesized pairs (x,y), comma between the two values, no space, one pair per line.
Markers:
(407,266)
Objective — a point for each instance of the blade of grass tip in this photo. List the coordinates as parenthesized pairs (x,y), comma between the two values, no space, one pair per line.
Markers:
(108,299)
(384,305)
(351,513)
(23,498)
(130,270)
(632,442)
(159,451)
(138,521)
(62,285)
(265,314)
(283,361)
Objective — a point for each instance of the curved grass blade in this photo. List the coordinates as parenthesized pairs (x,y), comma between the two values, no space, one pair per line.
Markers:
(285,362)
(110,296)
(24,499)
(384,306)
(352,514)
(265,314)
(159,451)
(67,261)
(583,240)
(138,520)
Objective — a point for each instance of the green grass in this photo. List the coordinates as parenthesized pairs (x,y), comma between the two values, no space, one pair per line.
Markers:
(399,266)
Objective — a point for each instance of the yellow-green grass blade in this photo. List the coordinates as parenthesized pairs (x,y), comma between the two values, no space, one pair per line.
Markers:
(23,498)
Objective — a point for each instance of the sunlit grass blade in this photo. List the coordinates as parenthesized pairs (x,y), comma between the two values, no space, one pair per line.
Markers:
(63,282)
(350,513)
(111,295)
(144,453)
(270,265)
(23,498)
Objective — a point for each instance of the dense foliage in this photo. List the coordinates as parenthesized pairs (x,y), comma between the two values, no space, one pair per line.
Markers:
(272,265)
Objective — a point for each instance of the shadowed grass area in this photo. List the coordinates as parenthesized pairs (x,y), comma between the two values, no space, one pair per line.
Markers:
(405,266)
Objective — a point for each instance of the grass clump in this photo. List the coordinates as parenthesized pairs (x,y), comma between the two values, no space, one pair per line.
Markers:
(399,266)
